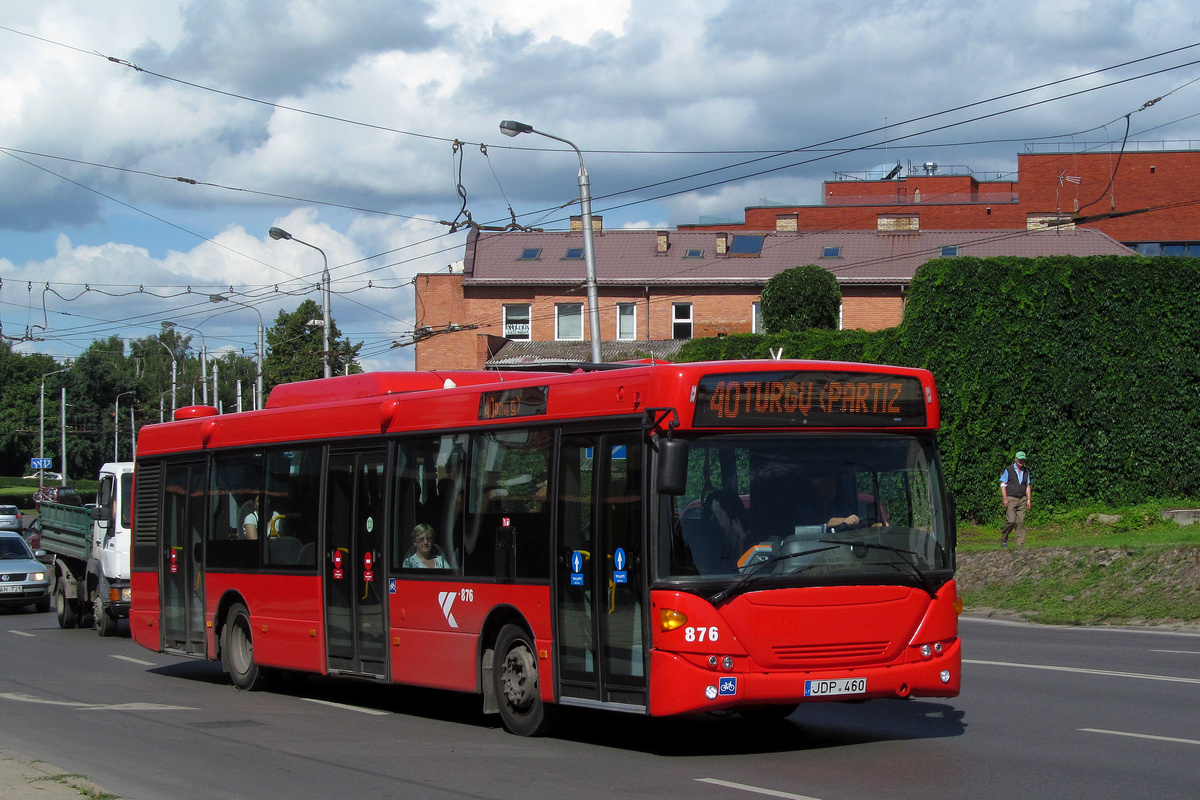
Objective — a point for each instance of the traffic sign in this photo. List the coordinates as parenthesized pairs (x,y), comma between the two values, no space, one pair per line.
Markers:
(41,463)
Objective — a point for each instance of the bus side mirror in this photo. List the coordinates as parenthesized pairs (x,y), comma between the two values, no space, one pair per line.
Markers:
(672,466)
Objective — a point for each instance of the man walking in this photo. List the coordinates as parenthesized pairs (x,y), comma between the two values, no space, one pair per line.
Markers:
(1016,493)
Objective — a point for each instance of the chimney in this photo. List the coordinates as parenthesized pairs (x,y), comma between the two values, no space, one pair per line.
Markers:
(662,243)
(722,243)
(597,223)
(787,222)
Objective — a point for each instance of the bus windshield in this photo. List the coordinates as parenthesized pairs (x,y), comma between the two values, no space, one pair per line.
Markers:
(807,509)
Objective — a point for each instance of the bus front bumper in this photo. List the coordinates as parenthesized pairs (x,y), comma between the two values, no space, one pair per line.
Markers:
(680,686)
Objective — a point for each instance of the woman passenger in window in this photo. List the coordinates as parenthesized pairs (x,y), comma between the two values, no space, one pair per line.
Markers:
(426,554)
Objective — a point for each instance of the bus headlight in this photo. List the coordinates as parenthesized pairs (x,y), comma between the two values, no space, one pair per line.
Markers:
(669,619)
(945,676)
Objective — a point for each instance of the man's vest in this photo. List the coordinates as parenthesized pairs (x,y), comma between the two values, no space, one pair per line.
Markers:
(1016,487)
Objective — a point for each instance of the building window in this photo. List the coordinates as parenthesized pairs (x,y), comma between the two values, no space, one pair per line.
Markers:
(949,250)
(756,317)
(568,322)
(831,252)
(746,246)
(694,254)
(681,320)
(574,254)
(626,321)
(516,321)
(531,254)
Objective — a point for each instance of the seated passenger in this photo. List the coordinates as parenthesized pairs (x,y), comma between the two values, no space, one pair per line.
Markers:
(424,555)
(250,520)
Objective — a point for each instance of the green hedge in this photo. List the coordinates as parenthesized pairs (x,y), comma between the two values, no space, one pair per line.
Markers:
(1091,365)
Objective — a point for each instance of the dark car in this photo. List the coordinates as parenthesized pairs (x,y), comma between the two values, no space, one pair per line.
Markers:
(24,580)
(57,494)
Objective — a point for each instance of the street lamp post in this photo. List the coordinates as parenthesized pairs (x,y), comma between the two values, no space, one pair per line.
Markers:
(203,356)
(218,298)
(174,372)
(117,424)
(513,128)
(280,233)
(42,425)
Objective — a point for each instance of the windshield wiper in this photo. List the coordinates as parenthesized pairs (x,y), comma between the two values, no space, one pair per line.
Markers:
(739,586)
(926,584)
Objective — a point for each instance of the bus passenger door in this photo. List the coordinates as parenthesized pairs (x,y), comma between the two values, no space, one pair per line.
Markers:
(354,566)
(601,567)
(181,571)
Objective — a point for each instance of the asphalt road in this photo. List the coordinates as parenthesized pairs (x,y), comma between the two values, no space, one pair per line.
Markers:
(1045,712)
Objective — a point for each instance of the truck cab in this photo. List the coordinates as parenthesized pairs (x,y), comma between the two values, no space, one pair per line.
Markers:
(111,533)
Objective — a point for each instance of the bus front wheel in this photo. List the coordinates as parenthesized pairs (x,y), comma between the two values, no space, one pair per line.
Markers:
(518,690)
(237,651)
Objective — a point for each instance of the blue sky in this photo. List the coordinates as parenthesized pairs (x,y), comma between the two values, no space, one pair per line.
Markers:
(337,121)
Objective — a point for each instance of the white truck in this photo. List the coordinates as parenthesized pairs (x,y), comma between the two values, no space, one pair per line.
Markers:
(90,546)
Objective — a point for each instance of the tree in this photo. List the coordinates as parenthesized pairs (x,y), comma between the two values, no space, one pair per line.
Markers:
(96,378)
(801,298)
(20,377)
(295,346)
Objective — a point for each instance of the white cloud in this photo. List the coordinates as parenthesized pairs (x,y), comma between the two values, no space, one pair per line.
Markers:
(632,75)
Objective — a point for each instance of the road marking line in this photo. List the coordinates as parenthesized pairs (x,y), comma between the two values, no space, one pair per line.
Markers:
(1084,671)
(1180,652)
(136,661)
(755,789)
(1141,736)
(21,633)
(29,698)
(1076,628)
(372,711)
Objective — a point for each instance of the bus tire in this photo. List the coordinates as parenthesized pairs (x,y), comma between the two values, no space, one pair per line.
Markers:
(105,623)
(515,678)
(238,650)
(64,609)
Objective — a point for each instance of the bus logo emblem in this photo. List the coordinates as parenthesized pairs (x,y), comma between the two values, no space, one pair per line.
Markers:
(446,599)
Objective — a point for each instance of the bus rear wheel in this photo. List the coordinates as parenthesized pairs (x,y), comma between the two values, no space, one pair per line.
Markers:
(237,650)
(518,690)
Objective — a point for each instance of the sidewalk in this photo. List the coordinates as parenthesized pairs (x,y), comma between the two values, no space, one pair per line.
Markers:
(25,778)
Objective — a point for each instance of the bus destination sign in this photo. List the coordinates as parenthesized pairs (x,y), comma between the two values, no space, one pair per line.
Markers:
(809,400)
(529,401)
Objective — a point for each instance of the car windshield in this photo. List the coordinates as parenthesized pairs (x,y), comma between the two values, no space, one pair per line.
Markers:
(8,511)
(806,509)
(14,547)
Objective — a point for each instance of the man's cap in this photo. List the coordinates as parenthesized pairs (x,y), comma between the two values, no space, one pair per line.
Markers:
(1020,455)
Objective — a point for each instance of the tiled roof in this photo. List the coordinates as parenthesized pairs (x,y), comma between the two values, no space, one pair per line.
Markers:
(543,355)
(628,257)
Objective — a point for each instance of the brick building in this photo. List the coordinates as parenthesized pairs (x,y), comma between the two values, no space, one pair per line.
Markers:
(520,296)
(1146,197)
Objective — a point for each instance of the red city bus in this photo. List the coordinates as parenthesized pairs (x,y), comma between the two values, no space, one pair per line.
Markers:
(657,539)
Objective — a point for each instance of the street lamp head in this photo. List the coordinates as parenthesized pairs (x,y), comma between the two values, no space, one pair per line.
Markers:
(167,325)
(278,233)
(510,127)
(217,298)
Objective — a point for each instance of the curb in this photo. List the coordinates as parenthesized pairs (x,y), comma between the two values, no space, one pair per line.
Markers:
(25,778)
